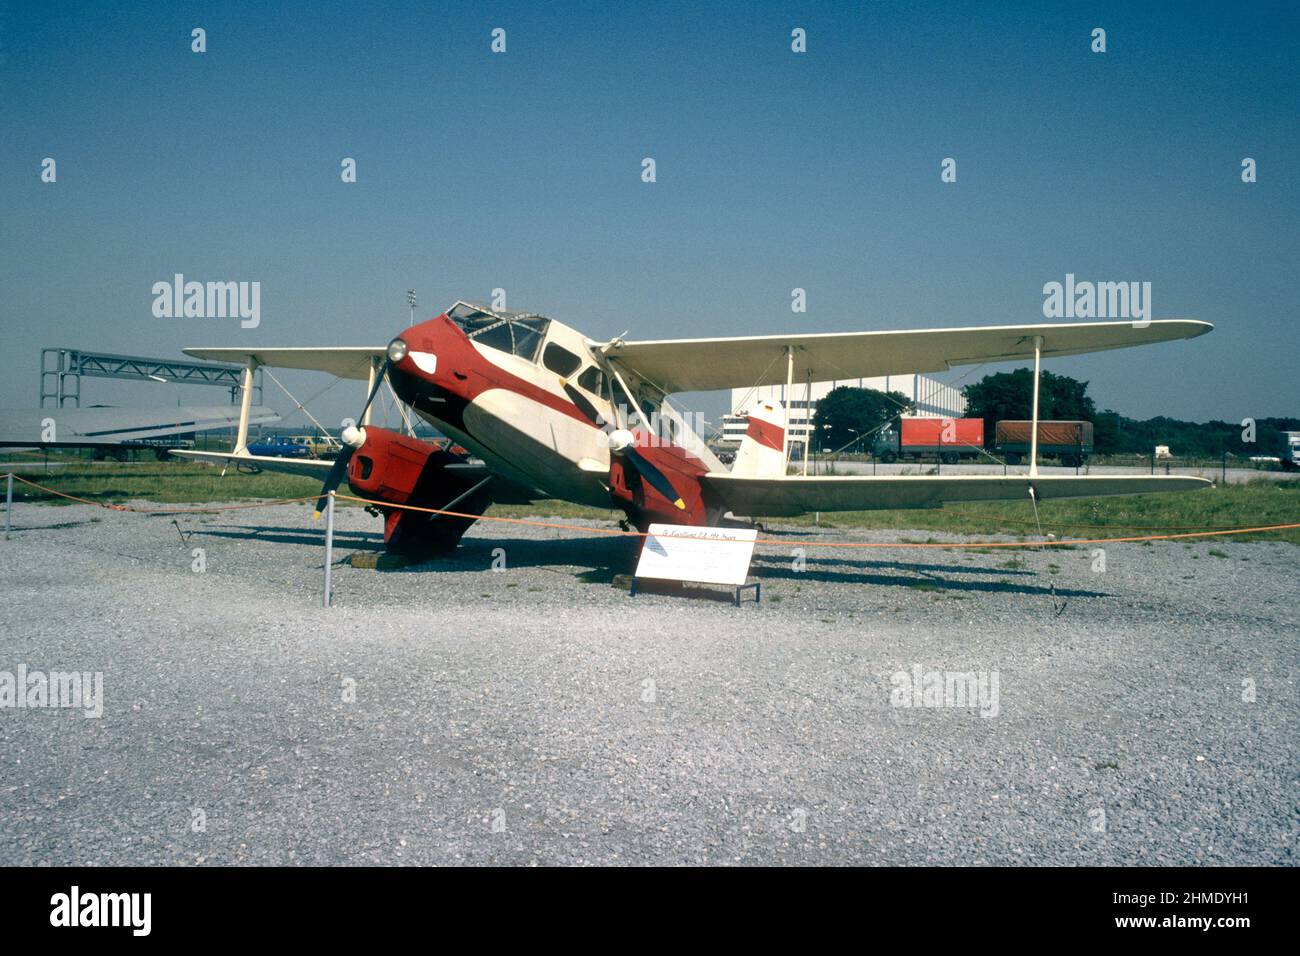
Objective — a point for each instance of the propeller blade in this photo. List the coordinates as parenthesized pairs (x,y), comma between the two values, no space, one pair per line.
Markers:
(379,380)
(658,481)
(585,406)
(333,479)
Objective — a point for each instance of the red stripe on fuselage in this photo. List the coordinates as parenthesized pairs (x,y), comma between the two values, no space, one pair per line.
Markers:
(463,372)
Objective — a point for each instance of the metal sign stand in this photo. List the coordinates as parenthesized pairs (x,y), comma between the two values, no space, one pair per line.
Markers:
(757,586)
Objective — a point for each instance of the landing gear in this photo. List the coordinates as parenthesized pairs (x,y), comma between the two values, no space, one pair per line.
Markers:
(950,458)
(888,457)
(1014,458)
(420,534)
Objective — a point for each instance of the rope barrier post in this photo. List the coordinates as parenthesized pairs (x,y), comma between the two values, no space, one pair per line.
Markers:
(9,504)
(329,546)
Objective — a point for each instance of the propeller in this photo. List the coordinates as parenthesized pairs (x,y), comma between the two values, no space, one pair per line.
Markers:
(353,437)
(623,443)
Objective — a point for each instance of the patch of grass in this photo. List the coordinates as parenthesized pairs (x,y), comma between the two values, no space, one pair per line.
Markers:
(924,586)
(165,482)
(1014,564)
(1260,502)
(1216,553)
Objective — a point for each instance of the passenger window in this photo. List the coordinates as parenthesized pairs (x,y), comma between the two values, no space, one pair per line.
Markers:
(559,359)
(592,380)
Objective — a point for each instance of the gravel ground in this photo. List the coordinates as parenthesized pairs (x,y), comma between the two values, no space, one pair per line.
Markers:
(452,714)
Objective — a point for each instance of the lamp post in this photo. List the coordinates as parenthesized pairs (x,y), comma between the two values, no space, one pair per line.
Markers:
(410,300)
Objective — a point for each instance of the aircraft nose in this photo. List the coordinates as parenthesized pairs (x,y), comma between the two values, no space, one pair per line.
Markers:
(425,360)
(415,349)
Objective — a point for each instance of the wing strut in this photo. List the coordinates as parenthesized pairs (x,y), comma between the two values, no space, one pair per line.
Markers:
(245,402)
(785,396)
(1033,435)
(372,369)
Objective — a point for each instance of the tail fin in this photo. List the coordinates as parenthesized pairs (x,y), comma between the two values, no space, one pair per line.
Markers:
(762,450)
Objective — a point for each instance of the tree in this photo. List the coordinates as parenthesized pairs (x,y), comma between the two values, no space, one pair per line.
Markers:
(846,414)
(1010,396)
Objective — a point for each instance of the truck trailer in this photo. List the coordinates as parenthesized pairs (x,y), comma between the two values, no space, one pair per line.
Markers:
(1071,442)
(1290,451)
(948,439)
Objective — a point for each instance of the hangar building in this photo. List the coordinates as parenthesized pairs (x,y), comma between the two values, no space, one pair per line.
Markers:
(930,399)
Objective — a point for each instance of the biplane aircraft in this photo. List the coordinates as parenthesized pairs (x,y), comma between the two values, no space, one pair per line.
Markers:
(547,412)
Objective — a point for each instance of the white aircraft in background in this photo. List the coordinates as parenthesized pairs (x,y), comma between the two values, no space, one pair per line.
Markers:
(112,430)
(551,413)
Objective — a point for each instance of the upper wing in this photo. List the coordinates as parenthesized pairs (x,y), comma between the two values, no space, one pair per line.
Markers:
(687,365)
(795,495)
(343,361)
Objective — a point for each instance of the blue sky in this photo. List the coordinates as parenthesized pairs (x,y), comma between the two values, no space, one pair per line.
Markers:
(775,170)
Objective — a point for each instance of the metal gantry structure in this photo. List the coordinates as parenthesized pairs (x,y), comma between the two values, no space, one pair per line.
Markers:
(63,369)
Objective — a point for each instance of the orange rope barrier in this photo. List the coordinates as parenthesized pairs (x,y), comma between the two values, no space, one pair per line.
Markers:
(839,544)
(166,511)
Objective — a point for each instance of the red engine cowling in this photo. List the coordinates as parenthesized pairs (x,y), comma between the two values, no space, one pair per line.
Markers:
(645,505)
(392,468)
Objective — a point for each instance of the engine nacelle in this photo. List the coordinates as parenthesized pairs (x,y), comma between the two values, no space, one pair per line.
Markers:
(393,468)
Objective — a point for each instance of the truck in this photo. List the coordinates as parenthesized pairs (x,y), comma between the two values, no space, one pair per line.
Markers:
(1290,451)
(1071,442)
(948,439)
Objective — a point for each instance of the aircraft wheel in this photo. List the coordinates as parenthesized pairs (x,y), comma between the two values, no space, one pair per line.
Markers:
(888,457)
(1013,459)
(950,458)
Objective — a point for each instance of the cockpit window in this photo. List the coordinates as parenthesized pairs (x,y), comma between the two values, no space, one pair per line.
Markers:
(592,380)
(519,333)
(559,359)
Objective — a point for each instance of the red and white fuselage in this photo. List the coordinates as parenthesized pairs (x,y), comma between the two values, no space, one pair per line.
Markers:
(496,385)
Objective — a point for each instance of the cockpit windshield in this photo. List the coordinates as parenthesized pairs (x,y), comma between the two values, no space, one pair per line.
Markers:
(519,333)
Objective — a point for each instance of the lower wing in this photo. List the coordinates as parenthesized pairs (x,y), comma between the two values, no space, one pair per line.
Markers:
(311,467)
(794,495)
(502,491)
